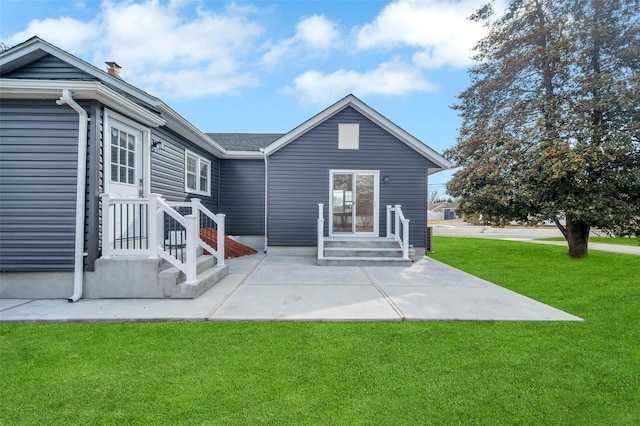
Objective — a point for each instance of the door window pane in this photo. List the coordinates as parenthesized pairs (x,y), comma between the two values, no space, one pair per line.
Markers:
(364,203)
(343,202)
(123,156)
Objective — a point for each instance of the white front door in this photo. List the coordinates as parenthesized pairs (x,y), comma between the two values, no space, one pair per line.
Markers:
(123,178)
(354,202)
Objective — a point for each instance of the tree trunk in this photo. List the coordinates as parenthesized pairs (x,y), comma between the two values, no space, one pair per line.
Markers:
(577,235)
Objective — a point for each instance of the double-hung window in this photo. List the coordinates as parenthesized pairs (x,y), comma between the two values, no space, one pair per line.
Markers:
(197,174)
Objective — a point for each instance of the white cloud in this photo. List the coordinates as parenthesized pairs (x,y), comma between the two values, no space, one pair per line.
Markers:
(315,36)
(439,28)
(317,32)
(67,33)
(390,78)
(176,50)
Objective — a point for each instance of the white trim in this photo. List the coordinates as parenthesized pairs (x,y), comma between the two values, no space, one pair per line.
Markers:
(200,159)
(243,155)
(371,114)
(349,136)
(376,202)
(184,128)
(50,89)
(35,48)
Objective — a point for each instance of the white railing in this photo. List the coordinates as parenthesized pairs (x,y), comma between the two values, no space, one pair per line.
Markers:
(137,226)
(400,228)
(320,231)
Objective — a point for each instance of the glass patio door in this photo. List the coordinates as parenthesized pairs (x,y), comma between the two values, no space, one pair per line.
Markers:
(354,201)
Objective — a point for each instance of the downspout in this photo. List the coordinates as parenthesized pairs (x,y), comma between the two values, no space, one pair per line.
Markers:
(266,197)
(78,269)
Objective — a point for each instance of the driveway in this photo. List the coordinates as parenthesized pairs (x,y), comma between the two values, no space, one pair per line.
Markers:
(293,288)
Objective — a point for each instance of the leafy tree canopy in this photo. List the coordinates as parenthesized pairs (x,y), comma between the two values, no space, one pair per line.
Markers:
(551,119)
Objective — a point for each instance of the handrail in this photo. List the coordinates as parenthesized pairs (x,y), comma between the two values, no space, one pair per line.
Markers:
(148,218)
(400,222)
(219,219)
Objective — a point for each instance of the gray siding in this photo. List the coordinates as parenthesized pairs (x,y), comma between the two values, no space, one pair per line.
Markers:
(242,196)
(299,179)
(38,160)
(49,67)
(167,169)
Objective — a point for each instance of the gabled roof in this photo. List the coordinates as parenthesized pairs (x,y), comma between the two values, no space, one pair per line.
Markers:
(364,109)
(110,90)
(244,141)
(115,92)
(36,48)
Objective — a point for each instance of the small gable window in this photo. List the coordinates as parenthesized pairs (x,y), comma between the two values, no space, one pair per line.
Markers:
(197,174)
(348,136)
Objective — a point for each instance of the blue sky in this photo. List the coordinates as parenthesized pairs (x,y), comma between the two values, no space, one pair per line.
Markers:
(266,66)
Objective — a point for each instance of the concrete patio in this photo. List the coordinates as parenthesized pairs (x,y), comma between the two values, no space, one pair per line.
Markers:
(293,288)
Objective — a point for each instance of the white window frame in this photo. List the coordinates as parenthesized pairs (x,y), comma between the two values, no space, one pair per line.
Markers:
(349,136)
(376,202)
(200,160)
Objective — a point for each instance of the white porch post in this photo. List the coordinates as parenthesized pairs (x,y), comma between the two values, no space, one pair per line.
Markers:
(195,207)
(320,230)
(107,250)
(154,230)
(397,230)
(388,221)
(221,237)
(192,229)
(405,238)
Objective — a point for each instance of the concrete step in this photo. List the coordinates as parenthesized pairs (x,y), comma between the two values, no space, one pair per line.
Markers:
(363,252)
(332,242)
(172,280)
(205,281)
(363,261)
(203,263)
(166,265)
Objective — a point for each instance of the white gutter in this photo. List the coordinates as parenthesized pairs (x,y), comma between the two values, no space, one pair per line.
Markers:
(78,269)
(266,197)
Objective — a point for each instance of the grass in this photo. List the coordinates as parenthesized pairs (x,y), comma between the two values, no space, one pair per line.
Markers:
(546,373)
(605,240)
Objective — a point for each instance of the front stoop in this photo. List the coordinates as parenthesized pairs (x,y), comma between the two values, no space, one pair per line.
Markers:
(362,252)
(129,277)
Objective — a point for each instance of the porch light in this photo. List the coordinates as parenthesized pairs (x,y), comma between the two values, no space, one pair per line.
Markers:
(385,179)
(156,145)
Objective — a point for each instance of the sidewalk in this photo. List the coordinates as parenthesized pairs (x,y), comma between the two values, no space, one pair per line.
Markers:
(615,248)
(293,288)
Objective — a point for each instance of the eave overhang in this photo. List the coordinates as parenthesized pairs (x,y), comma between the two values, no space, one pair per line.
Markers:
(82,90)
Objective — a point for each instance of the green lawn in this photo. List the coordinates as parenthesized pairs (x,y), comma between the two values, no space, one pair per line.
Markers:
(409,373)
(605,240)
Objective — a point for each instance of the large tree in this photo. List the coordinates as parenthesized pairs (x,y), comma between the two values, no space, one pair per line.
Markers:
(551,119)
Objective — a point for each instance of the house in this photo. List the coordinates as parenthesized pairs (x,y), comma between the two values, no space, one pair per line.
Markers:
(443,211)
(105,191)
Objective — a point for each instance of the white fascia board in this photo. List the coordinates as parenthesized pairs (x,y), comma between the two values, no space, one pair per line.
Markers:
(52,89)
(371,114)
(243,155)
(36,44)
(401,134)
(307,125)
(180,125)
